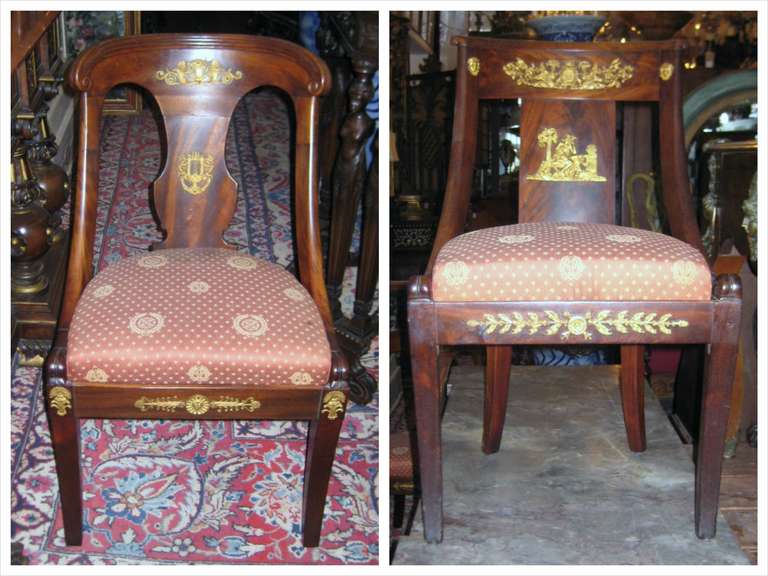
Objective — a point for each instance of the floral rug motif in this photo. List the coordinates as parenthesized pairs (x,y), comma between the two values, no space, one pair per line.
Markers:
(162,491)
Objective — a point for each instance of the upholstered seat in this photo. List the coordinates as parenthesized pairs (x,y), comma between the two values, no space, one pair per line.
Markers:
(197,316)
(565,261)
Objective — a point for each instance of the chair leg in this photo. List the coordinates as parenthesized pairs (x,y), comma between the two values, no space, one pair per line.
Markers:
(427,398)
(65,438)
(715,402)
(497,367)
(321,449)
(398,513)
(632,387)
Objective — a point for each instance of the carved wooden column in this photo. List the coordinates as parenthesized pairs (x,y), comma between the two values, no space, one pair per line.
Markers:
(349,178)
(356,333)
(39,187)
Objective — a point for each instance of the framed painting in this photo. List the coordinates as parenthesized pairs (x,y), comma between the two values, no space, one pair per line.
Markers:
(85,28)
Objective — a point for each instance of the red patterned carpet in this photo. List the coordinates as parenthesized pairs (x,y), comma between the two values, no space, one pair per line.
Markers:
(158,492)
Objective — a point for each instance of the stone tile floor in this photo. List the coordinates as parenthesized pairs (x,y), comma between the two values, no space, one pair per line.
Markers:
(564,488)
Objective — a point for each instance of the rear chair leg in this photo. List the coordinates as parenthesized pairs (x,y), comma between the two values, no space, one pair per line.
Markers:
(65,437)
(632,387)
(321,448)
(497,366)
(715,402)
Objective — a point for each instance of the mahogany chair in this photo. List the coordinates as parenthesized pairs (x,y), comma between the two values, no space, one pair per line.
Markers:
(195,330)
(566,272)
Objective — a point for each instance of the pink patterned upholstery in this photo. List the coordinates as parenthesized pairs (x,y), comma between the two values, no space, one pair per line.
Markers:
(197,315)
(561,261)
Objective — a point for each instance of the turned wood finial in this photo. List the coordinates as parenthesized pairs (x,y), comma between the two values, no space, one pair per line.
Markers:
(339,367)
(419,287)
(727,286)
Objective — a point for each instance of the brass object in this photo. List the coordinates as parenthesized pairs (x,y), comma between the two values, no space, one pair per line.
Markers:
(198,72)
(197,404)
(34,361)
(666,70)
(61,399)
(564,164)
(568,324)
(473,65)
(651,206)
(333,404)
(749,223)
(710,208)
(569,74)
(195,171)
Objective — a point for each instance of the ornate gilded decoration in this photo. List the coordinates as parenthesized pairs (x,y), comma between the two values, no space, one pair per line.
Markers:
(568,324)
(61,399)
(569,75)
(666,70)
(749,223)
(198,72)
(564,164)
(333,404)
(197,404)
(473,65)
(195,171)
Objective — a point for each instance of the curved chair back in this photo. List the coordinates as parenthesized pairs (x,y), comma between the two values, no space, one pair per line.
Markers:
(197,81)
(568,148)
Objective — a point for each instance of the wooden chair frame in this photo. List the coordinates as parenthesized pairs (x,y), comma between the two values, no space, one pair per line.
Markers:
(434,327)
(196,113)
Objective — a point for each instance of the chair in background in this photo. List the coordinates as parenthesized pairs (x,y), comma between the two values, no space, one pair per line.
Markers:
(195,330)
(566,272)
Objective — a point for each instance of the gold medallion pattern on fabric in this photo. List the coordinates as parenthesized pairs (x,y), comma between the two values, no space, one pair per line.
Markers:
(516,239)
(562,163)
(569,74)
(455,273)
(250,325)
(146,323)
(566,325)
(684,272)
(96,375)
(301,378)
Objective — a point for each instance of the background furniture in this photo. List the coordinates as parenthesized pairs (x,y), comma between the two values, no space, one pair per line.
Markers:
(39,187)
(566,187)
(194,202)
(349,180)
